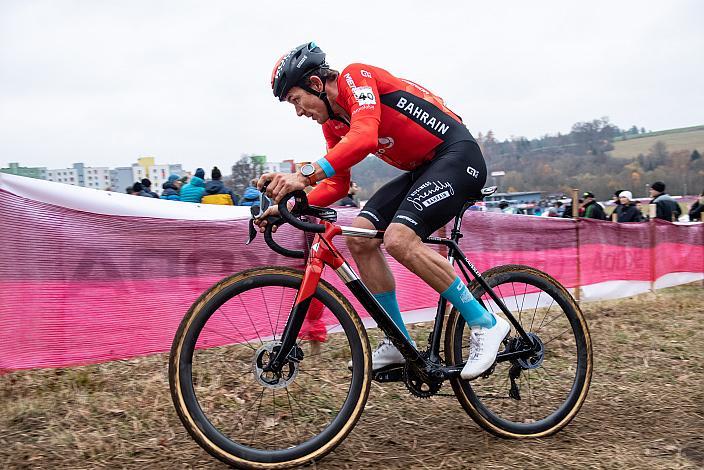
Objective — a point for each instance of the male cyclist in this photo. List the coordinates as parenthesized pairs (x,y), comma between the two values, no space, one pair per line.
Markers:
(362,110)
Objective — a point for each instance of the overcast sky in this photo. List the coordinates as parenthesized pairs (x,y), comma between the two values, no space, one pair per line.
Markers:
(104,82)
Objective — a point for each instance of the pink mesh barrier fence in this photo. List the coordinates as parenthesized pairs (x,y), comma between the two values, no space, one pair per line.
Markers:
(79,286)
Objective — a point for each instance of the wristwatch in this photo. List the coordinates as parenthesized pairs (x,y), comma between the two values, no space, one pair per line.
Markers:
(308,170)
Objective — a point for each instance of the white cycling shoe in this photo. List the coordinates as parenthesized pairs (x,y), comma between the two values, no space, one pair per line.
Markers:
(385,356)
(484,346)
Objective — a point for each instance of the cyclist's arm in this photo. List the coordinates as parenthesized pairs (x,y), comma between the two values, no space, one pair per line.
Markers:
(331,189)
(334,188)
(358,91)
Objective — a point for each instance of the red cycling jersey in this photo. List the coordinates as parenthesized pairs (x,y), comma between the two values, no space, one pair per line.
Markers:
(397,120)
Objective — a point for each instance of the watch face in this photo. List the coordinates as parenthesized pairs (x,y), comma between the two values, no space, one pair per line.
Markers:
(307,169)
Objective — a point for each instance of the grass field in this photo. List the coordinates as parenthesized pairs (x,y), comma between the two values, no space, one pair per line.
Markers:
(688,138)
(645,409)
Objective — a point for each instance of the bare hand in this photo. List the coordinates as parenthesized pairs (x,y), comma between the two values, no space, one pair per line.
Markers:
(281,184)
(262,222)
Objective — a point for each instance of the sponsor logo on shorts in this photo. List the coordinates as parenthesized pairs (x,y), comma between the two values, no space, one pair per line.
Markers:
(472,172)
(370,215)
(429,193)
(364,95)
(406,218)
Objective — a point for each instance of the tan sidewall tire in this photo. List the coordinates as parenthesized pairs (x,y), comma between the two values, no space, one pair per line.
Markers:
(178,398)
(457,384)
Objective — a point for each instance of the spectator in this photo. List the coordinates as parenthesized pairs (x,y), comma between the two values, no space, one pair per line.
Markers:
(592,209)
(147,185)
(627,211)
(171,188)
(666,208)
(216,192)
(138,190)
(505,208)
(194,191)
(695,212)
(251,194)
(616,200)
(567,213)
(556,210)
(349,200)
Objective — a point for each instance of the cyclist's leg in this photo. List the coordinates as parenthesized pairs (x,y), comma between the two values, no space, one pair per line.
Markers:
(376,215)
(371,262)
(456,174)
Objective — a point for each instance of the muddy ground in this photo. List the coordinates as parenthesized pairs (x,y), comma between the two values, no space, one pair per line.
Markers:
(645,409)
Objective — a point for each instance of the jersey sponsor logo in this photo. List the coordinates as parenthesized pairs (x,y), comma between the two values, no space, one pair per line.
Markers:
(350,82)
(429,193)
(385,143)
(404,217)
(364,95)
(360,108)
(366,74)
(472,172)
(418,114)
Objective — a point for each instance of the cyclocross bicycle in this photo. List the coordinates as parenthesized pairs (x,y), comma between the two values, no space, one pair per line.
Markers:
(255,394)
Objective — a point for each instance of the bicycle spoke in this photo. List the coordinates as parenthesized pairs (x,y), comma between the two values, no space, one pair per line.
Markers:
(537,302)
(552,301)
(260,416)
(537,393)
(273,332)
(256,330)
(238,330)
(558,336)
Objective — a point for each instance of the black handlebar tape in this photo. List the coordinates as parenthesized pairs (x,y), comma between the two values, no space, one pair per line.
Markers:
(269,239)
(301,202)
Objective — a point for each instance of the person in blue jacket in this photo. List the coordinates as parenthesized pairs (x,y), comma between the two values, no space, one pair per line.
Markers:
(171,188)
(251,194)
(195,189)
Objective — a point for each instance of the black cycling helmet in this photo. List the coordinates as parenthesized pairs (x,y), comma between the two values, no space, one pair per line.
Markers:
(294,68)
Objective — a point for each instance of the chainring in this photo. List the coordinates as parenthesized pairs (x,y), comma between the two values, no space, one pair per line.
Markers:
(418,386)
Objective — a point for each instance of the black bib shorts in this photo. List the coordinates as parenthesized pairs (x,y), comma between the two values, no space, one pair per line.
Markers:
(430,196)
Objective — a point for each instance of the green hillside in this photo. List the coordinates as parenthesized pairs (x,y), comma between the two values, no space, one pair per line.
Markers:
(686,138)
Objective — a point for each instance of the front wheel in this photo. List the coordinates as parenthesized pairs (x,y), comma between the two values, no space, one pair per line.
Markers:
(535,395)
(248,417)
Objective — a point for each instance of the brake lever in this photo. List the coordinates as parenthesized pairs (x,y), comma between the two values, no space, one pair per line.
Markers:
(253,229)
(252,232)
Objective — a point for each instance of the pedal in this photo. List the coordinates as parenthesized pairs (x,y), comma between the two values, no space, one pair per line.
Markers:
(392,374)
(489,371)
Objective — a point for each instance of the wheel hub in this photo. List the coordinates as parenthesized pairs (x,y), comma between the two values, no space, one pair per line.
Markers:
(275,379)
(536,358)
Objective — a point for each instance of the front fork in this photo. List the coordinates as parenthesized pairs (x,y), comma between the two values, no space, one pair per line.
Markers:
(311,278)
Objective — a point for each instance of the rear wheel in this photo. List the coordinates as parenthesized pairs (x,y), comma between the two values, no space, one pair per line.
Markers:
(250,418)
(539,394)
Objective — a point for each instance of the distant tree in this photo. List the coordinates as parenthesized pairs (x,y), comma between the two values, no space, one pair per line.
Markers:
(244,170)
(642,130)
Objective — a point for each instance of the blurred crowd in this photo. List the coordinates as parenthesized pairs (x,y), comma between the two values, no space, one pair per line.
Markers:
(623,207)
(197,190)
